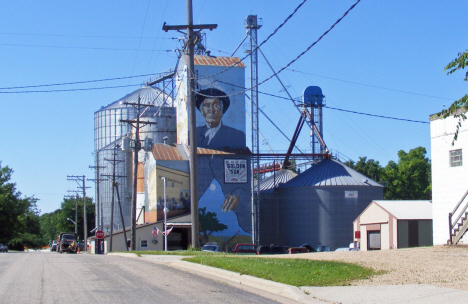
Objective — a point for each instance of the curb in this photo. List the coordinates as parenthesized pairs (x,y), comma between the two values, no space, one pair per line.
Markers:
(280,289)
(123,254)
(275,289)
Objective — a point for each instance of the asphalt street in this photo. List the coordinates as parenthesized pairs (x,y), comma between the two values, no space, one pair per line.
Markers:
(49,277)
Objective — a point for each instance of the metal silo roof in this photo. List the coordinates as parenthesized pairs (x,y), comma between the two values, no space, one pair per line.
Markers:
(279,177)
(148,95)
(114,145)
(329,172)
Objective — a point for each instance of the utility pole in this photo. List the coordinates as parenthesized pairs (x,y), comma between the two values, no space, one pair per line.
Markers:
(97,180)
(136,148)
(115,186)
(192,120)
(83,188)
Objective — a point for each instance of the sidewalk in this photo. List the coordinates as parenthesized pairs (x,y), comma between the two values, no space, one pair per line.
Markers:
(385,294)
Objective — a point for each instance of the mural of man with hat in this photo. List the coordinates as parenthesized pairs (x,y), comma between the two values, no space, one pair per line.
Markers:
(212,104)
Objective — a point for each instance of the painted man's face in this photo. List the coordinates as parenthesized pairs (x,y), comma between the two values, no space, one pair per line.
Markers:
(211,110)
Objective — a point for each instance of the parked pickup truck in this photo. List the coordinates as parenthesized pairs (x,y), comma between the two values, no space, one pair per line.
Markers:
(244,249)
(67,242)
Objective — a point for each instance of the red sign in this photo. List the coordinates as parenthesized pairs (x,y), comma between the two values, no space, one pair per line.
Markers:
(100,234)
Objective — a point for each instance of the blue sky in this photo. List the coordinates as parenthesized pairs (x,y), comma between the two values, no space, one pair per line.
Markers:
(384,58)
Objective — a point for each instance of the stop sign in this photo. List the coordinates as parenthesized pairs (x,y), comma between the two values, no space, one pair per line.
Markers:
(99,234)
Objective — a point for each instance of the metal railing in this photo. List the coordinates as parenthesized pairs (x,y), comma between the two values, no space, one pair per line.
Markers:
(452,223)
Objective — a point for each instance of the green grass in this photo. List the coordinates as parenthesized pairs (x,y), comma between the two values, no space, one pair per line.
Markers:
(296,272)
(178,252)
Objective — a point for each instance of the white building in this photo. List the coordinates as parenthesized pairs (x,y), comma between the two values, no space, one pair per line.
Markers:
(394,224)
(449,175)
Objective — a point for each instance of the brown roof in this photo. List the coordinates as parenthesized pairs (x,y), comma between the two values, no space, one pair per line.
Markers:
(205,151)
(167,152)
(175,152)
(218,61)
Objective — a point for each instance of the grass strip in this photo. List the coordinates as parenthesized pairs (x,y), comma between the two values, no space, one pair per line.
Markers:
(296,272)
(178,252)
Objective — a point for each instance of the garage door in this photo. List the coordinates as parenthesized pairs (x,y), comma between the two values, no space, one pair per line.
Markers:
(373,240)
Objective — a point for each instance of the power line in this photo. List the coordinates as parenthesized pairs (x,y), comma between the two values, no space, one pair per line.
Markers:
(372,86)
(263,42)
(354,112)
(70,90)
(313,44)
(295,59)
(75,82)
(122,86)
(139,40)
(359,83)
(81,47)
(379,116)
(80,36)
(343,110)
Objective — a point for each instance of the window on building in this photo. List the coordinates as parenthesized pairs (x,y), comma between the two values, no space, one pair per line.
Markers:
(456,158)
(144,244)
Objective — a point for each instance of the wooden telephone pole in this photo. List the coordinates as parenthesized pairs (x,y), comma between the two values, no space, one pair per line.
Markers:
(190,43)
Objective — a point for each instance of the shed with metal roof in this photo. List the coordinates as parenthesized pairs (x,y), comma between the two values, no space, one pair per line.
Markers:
(394,224)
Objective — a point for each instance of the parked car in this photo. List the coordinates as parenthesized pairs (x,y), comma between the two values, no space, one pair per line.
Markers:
(3,248)
(308,247)
(272,249)
(53,246)
(211,247)
(322,248)
(295,250)
(81,245)
(342,249)
(244,249)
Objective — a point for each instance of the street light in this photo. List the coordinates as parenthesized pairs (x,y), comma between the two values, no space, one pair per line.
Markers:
(165,215)
(68,219)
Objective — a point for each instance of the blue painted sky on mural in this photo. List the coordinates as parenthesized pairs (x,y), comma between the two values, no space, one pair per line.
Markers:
(385,58)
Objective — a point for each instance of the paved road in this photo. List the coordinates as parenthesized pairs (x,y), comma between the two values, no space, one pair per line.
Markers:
(49,277)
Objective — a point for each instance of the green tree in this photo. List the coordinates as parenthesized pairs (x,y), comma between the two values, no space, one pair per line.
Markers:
(19,217)
(56,222)
(208,224)
(410,178)
(49,225)
(68,211)
(458,108)
(292,165)
(368,167)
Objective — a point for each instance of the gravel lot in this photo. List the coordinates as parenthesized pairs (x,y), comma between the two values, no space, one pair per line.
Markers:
(442,266)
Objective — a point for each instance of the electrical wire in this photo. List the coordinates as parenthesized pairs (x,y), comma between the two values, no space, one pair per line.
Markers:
(155,41)
(379,116)
(75,82)
(80,47)
(295,59)
(81,36)
(71,90)
(372,86)
(141,35)
(332,108)
(263,42)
